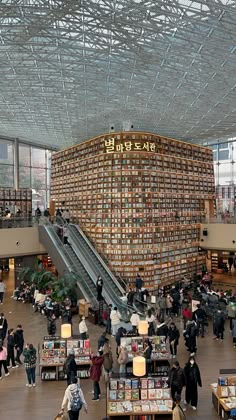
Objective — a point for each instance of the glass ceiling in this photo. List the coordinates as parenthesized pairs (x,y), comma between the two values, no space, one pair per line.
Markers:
(69,70)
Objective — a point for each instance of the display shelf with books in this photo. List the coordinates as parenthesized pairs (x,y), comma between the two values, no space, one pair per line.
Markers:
(52,357)
(53,353)
(137,195)
(160,354)
(82,355)
(224,395)
(138,397)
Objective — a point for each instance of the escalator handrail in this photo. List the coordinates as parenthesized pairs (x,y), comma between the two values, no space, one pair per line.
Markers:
(114,279)
(53,236)
(108,293)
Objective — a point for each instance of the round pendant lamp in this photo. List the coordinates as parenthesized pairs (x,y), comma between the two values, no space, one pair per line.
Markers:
(143,327)
(65,330)
(139,366)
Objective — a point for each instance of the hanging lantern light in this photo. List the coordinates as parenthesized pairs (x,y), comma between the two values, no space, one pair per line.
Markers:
(143,327)
(65,330)
(139,366)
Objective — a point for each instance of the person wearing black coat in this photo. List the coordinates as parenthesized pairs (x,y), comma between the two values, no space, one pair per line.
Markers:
(70,367)
(176,379)
(102,340)
(120,333)
(3,327)
(219,324)
(193,380)
(173,334)
(52,324)
(147,353)
(190,335)
(10,348)
(19,342)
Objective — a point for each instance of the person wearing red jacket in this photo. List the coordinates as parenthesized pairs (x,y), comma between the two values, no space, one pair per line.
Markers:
(187,315)
(95,373)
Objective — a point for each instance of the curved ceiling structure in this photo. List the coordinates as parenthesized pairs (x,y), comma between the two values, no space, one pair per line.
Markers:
(69,70)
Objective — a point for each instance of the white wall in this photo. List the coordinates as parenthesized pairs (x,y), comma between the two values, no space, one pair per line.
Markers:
(219,236)
(20,241)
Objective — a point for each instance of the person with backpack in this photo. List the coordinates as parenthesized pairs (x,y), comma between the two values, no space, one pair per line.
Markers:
(70,367)
(30,359)
(74,400)
(19,342)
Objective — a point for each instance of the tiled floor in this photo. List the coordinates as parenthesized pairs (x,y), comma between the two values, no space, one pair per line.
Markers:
(44,401)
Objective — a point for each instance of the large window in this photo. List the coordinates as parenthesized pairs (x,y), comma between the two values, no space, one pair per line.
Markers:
(6,164)
(224,155)
(34,172)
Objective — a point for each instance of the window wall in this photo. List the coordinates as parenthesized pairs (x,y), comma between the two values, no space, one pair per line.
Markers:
(225,176)
(34,173)
(6,164)
(34,170)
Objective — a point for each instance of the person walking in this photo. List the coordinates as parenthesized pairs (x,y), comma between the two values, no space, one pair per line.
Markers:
(173,334)
(115,320)
(134,320)
(187,315)
(99,286)
(83,329)
(193,380)
(108,320)
(3,360)
(30,360)
(169,305)
(95,374)
(219,325)
(3,289)
(70,367)
(190,335)
(10,349)
(108,360)
(178,412)
(176,380)
(122,359)
(19,342)
(200,317)
(147,353)
(234,331)
(231,312)
(3,327)
(138,283)
(73,400)
(52,328)
(162,305)
(150,318)
(102,340)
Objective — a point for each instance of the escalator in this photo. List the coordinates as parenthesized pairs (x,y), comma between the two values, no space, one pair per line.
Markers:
(65,260)
(81,259)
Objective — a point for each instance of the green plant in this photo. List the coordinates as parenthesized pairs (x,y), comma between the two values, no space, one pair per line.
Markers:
(42,279)
(25,274)
(64,287)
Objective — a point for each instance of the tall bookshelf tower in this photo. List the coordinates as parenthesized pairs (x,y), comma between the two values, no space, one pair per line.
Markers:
(140,198)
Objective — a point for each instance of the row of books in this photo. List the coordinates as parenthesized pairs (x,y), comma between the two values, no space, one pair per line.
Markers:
(143,383)
(140,406)
(139,394)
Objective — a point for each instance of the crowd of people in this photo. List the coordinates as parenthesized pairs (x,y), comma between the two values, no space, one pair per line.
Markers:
(172,316)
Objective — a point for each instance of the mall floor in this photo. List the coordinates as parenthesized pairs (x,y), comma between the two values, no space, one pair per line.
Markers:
(44,401)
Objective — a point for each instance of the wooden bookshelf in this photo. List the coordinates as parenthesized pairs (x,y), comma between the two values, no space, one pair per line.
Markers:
(140,198)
